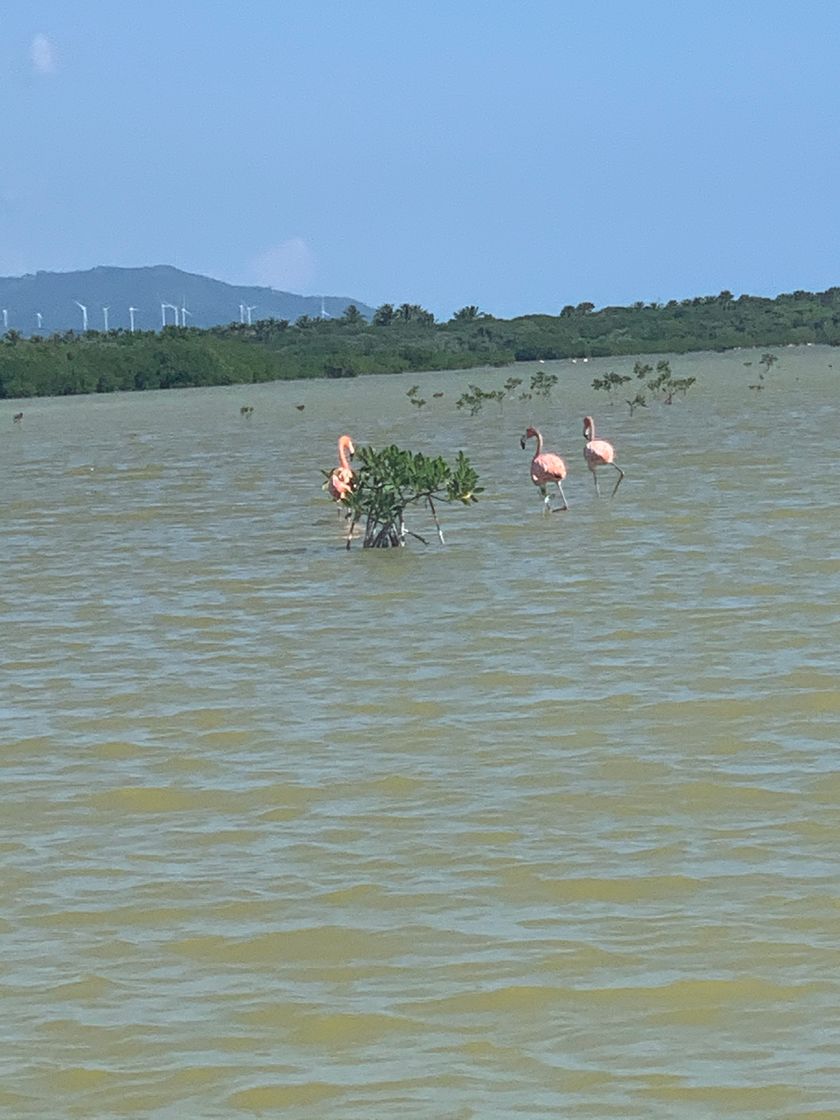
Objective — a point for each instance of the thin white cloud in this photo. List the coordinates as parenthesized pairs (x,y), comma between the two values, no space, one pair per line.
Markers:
(289,266)
(42,53)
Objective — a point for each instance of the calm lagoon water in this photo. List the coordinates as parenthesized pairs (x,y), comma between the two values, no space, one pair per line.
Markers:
(542,823)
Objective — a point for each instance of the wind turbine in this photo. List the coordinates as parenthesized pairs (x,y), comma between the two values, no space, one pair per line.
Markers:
(40,319)
(5,319)
(241,313)
(324,312)
(105,311)
(163,308)
(131,311)
(184,312)
(84,314)
(248,311)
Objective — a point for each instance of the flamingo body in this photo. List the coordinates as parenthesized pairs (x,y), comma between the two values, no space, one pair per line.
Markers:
(599,453)
(546,467)
(340,482)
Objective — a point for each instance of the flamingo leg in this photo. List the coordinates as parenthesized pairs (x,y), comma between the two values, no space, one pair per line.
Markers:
(565,505)
(352,521)
(620,477)
(546,500)
(597,487)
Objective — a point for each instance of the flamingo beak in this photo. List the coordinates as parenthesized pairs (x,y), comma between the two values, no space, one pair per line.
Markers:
(522,443)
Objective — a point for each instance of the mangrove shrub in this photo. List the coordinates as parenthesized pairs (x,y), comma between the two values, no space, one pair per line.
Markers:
(387,482)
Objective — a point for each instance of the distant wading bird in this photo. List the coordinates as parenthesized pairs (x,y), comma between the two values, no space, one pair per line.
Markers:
(340,481)
(546,467)
(599,453)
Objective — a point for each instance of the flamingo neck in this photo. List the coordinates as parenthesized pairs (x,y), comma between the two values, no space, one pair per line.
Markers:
(539,439)
(344,446)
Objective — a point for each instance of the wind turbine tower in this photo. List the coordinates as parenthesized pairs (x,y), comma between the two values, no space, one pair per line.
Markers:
(163,308)
(5,319)
(324,312)
(184,313)
(105,311)
(131,311)
(241,313)
(84,315)
(248,310)
(40,319)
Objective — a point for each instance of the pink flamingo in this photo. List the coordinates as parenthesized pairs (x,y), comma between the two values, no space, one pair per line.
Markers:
(546,467)
(340,482)
(599,453)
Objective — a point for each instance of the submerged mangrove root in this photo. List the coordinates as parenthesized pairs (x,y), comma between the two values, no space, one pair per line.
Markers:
(388,534)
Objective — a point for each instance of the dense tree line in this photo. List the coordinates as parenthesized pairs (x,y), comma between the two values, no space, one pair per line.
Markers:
(402,338)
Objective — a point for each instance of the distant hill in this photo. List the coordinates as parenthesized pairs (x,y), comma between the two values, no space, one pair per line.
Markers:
(208,302)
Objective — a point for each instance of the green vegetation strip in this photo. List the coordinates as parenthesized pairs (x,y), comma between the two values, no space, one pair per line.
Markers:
(407,338)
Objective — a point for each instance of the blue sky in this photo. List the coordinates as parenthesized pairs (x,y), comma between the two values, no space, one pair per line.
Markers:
(516,155)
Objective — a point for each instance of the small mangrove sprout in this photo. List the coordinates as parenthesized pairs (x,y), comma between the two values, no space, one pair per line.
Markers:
(413,397)
(680,385)
(473,399)
(639,401)
(660,382)
(542,383)
(768,361)
(610,382)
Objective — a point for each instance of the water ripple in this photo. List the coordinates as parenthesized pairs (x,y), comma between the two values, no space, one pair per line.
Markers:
(541,823)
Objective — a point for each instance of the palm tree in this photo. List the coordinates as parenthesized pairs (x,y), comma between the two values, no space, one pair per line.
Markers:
(384,315)
(467,314)
(352,315)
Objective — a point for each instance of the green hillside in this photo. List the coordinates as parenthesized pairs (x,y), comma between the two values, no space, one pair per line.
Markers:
(45,302)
